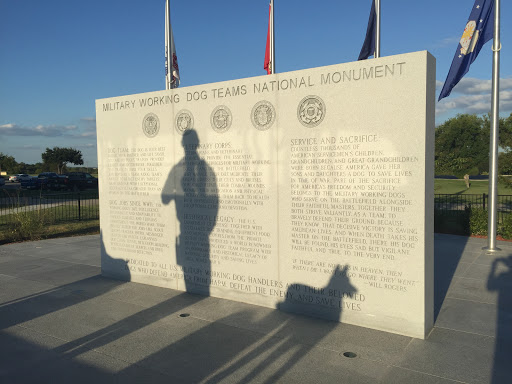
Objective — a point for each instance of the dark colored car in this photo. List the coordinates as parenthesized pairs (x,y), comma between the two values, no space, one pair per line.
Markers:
(81,180)
(46,180)
(51,180)
(32,183)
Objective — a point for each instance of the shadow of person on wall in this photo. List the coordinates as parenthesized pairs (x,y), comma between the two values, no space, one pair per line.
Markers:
(192,185)
(502,283)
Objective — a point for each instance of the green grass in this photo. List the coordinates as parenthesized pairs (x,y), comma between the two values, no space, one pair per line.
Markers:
(46,223)
(61,213)
(443,186)
(79,228)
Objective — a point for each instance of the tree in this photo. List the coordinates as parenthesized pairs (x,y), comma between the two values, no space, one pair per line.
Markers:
(7,163)
(505,156)
(506,133)
(59,157)
(505,163)
(462,145)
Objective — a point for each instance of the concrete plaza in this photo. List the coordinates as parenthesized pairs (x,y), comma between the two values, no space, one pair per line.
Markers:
(61,322)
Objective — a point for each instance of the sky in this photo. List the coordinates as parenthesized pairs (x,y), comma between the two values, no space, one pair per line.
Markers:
(58,56)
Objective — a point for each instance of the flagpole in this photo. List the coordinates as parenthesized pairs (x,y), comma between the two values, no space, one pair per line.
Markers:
(493,159)
(272,44)
(377,30)
(168,48)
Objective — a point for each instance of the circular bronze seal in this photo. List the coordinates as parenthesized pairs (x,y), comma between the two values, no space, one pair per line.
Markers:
(263,115)
(311,111)
(184,122)
(221,119)
(150,125)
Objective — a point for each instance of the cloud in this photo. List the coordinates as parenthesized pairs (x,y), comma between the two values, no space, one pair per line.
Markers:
(446,42)
(89,127)
(87,146)
(38,130)
(474,96)
(477,86)
(86,130)
(29,146)
(472,86)
(86,134)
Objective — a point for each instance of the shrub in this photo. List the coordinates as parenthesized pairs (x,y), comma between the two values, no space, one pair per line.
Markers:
(505,229)
(478,219)
(24,224)
(28,226)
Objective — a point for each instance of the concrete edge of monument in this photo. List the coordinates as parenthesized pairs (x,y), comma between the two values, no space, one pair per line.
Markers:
(309,191)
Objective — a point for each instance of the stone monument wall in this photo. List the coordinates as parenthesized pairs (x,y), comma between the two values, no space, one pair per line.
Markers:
(309,191)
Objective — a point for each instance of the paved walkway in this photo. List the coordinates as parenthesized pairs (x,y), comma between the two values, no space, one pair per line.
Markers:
(61,322)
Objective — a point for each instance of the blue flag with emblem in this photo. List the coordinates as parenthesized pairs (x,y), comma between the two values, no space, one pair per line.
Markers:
(368,48)
(479,30)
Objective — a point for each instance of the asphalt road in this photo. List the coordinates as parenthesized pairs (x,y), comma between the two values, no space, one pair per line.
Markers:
(10,186)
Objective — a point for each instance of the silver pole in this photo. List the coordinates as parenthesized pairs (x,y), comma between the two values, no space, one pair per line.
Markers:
(272,44)
(377,30)
(168,50)
(495,122)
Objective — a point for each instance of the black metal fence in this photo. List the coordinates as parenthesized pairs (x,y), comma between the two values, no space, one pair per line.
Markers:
(57,207)
(76,206)
(457,204)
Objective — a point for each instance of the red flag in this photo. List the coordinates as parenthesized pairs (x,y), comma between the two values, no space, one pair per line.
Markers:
(267,65)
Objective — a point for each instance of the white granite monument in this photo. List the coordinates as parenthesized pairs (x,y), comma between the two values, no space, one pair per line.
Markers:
(309,191)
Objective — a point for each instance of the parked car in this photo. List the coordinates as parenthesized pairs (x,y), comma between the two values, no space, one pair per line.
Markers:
(51,180)
(2,181)
(32,183)
(46,180)
(19,177)
(81,180)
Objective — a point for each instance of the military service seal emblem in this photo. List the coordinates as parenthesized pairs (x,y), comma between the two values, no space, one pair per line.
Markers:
(221,119)
(311,111)
(150,125)
(184,122)
(263,115)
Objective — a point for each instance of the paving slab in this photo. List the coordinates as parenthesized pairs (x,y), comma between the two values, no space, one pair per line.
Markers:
(36,358)
(61,322)
(468,316)
(453,355)
(473,290)
(32,266)
(80,255)
(13,256)
(13,289)
(366,343)
(145,295)
(397,375)
(85,316)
